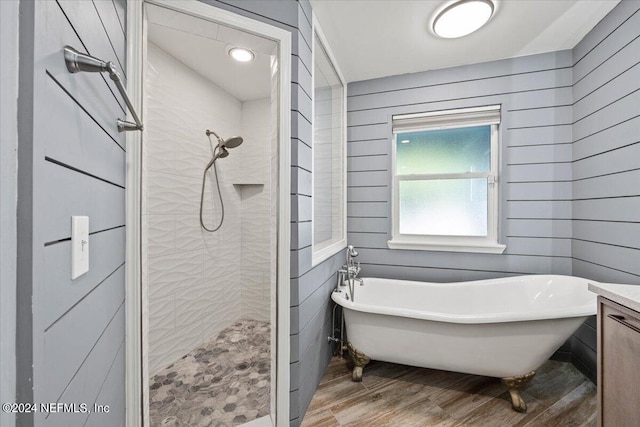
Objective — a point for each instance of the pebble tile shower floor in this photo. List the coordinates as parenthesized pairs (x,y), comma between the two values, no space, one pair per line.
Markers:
(224,383)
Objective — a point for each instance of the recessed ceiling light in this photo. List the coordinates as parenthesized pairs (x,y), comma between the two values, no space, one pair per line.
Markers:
(404,141)
(462,17)
(241,54)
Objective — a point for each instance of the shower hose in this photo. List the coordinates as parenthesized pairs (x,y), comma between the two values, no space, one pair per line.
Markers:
(204,180)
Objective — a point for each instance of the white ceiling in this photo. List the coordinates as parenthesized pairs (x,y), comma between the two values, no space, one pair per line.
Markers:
(372,39)
(202,46)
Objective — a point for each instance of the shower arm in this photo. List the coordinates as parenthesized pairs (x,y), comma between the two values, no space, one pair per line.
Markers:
(77,61)
(220,140)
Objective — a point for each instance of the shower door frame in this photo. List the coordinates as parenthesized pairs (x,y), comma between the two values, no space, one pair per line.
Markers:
(136,370)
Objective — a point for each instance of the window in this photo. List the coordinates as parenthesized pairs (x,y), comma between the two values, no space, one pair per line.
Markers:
(445,181)
(329,154)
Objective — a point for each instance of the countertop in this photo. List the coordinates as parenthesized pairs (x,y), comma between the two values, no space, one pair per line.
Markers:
(627,295)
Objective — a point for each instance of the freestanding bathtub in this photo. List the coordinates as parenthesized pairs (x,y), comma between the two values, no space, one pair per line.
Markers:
(503,328)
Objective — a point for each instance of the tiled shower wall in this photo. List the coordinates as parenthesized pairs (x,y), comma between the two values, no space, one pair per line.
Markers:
(311,286)
(258,213)
(196,284)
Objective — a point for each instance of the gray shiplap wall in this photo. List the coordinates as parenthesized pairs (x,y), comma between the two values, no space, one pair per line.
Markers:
(9,15)
(535,165)
(310,286)
(606,161)
(72,162)
(569,164)
(77,169)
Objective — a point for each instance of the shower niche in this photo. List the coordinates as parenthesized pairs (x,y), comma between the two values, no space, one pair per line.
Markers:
(208,295)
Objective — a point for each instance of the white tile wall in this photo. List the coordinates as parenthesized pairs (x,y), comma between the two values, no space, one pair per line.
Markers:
(199,283)
(258,242)
(185,283)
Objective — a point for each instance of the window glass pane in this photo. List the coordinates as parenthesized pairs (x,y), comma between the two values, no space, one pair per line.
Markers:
(458,150)
(443,207)
(328,166)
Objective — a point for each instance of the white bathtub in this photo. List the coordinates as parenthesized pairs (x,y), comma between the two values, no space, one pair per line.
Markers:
(499,327)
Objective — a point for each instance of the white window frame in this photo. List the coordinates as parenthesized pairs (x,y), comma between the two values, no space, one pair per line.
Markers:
(479,116)
(327,250)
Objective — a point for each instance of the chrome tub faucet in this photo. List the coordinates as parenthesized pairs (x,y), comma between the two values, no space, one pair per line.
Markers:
(349,272)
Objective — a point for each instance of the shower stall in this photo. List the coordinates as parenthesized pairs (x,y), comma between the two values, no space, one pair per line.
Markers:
(209,221)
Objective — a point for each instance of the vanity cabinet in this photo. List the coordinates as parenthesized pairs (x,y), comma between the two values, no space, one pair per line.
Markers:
(618,365)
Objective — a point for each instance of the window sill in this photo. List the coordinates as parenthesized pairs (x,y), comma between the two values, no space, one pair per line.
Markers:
(494,248)
(326,252)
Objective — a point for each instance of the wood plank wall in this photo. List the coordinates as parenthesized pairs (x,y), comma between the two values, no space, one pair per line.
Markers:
(606,161)
(74,165)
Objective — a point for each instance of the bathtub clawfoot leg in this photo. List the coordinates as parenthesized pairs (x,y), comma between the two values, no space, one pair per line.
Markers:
(360,360)
(514,384)
(356,375)
(517,402)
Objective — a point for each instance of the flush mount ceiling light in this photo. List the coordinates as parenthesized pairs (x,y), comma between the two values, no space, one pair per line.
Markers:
(241,54)
(462,17)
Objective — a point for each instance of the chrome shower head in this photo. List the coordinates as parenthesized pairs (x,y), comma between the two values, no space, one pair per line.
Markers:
(222,153)
(232,142)
(352,251)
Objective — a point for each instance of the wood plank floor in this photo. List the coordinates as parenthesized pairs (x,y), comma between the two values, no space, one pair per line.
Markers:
(403,396)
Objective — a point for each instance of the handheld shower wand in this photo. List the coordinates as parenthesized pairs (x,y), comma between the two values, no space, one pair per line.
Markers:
(219,152)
